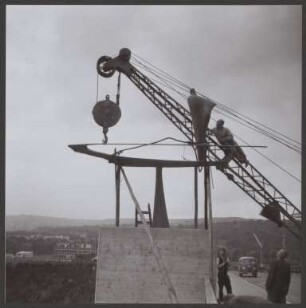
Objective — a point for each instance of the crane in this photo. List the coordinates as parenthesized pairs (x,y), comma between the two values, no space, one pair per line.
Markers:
(248,178)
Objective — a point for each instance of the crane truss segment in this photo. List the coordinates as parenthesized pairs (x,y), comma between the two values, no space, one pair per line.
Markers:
(174,111)
(248,179)
(269,191)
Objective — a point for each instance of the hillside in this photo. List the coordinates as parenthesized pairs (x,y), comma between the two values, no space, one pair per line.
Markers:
(31,222)
(236,234)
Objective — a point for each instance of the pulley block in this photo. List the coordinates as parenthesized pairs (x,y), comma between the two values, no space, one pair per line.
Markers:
(101,71)
(106,113)
(272,212)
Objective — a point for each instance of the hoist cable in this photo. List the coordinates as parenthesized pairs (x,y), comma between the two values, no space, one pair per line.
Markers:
(97,89)
(247,124)
(266,157)
(165,81)
(168,77)
(290,146)
(118,89)
(230,110)
(260,128)
(164,73)
(263,131)
(169,87)
(274,163)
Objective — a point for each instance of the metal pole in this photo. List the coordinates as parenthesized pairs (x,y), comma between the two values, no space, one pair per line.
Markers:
(206,187)
(260,249)
(117,180)
(213,257)
(196,197)
(206,179)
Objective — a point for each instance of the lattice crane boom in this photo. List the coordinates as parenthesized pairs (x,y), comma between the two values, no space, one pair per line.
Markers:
(248,179)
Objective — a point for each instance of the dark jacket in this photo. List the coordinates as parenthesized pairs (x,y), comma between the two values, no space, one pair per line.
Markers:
(278,280)
(222,269)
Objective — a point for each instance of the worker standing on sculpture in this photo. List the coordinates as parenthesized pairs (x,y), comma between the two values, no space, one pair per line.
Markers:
(229,145)
(200,110)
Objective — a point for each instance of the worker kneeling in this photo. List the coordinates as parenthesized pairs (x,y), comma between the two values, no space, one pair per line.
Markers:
(228,144)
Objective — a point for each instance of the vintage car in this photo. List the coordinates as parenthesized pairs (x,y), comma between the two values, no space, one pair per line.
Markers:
(247,265)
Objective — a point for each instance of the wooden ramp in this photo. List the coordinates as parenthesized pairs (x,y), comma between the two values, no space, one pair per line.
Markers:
(127,271)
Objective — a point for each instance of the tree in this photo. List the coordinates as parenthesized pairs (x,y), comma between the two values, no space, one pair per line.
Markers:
(236,253)
(254,253)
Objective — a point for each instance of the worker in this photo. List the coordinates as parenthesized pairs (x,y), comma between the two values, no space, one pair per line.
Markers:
(223,278)
(229,145)
(278,280)
(192,91)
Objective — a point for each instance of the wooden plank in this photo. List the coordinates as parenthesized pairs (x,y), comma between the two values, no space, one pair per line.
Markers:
(170,288)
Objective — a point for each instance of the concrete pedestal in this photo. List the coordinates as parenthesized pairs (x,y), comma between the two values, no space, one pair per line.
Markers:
(127,271)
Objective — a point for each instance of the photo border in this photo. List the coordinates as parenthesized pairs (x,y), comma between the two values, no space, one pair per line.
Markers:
(131,2)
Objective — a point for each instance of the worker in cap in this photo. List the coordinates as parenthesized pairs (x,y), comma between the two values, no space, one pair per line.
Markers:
(278,280)
(192,91)
(281,254)
(229,145)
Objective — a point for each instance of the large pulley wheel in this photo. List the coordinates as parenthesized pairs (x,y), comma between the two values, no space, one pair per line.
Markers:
(101,71)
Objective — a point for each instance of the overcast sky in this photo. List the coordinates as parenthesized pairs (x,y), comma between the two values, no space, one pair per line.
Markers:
(246,57)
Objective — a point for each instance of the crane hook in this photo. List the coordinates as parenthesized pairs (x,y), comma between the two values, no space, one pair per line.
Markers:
(105,140)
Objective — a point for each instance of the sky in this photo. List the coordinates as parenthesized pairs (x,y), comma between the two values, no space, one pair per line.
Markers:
(245,57)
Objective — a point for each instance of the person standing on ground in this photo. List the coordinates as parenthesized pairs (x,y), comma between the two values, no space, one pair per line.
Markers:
(223,278)
(278,280)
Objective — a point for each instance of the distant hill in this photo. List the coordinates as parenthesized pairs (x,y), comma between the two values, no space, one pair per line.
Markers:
(234,233)
(31,222)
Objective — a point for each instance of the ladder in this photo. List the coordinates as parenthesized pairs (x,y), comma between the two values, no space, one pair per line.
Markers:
(139,221)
